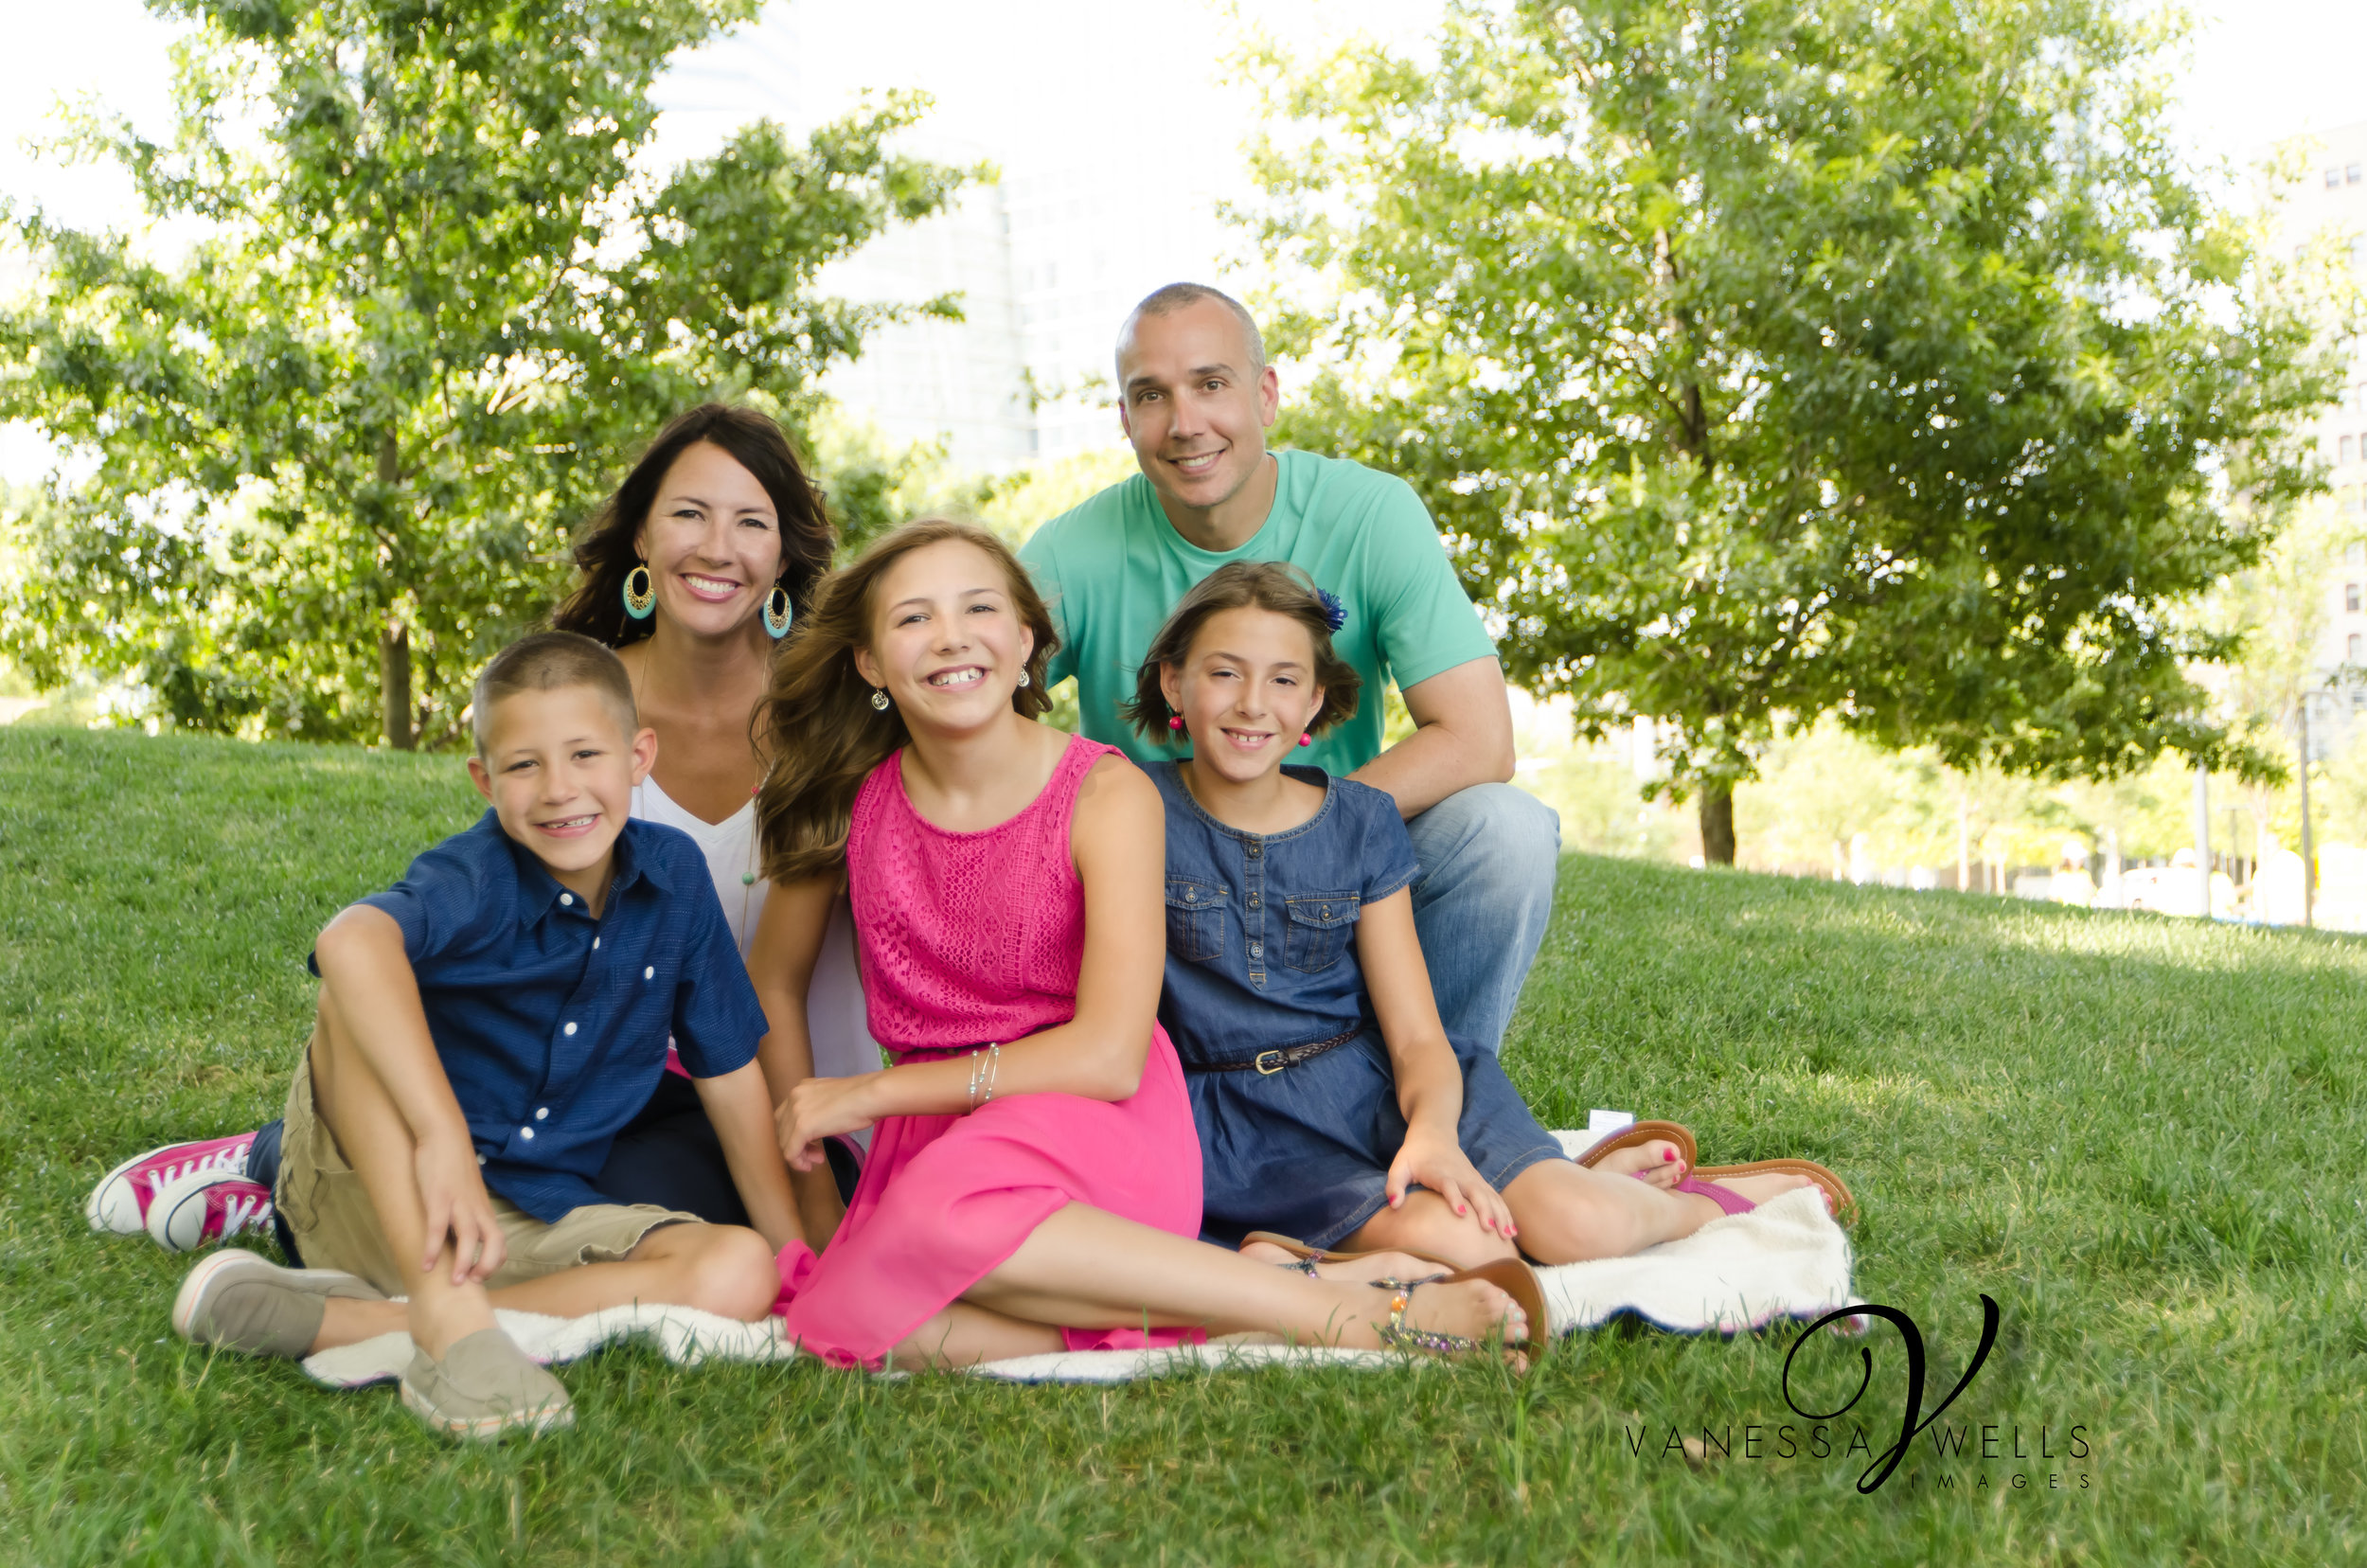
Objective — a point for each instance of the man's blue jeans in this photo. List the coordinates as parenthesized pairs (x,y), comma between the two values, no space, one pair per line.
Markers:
(1488,856)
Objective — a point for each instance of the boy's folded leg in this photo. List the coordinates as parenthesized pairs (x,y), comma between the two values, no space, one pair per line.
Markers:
(235,1300)
(484,1388)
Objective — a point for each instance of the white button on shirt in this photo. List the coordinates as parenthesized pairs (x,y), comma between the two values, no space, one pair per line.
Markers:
(566,898)
(569,1029)
(542,1113)
(526,1132)
(649,974)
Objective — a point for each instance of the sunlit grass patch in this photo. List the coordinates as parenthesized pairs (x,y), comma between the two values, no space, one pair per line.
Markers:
(2140,1136)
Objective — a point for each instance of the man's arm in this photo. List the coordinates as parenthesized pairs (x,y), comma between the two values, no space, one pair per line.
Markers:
(1462,737)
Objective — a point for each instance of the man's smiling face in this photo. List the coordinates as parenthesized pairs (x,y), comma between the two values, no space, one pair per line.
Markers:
(1193,405)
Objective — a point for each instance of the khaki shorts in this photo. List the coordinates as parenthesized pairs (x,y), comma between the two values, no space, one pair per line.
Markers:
(336,1227)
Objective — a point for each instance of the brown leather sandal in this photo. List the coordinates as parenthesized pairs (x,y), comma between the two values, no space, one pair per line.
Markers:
(1643,1133)
(1837,1195)
(1508,1274)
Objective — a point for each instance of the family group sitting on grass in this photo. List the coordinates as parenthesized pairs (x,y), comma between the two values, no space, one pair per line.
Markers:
(752,820)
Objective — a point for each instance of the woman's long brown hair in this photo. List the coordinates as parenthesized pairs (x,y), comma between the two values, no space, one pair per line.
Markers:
(605,555)
(818,722)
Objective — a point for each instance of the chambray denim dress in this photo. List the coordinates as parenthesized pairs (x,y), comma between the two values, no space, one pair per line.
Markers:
(1262,956)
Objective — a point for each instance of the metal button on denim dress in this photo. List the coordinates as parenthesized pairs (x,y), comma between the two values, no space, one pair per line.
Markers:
(1261,958)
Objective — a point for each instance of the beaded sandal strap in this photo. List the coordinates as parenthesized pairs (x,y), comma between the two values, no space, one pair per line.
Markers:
(1397,1336)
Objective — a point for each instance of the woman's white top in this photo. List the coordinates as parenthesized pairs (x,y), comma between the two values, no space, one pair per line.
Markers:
(834,1006)
(730,848)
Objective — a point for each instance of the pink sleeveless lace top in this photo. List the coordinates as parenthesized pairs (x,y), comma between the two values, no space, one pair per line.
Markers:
(967,938)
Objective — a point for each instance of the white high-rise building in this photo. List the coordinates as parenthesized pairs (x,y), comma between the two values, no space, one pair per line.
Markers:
(2330,203)
(957,382)
(1044,260)
(1046,263)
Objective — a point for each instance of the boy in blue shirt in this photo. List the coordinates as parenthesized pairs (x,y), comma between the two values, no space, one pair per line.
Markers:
(485,1027)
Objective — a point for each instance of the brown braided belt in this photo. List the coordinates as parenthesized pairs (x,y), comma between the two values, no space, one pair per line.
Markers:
(1271,1063)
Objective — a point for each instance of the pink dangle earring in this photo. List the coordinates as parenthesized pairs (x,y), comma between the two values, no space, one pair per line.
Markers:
(1304,740)
(1175,720)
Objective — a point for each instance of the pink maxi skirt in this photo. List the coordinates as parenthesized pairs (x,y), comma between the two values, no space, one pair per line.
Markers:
(944,1199)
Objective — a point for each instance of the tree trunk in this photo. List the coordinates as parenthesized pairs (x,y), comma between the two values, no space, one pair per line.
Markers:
(1718,823)
(393,638)
(394,684)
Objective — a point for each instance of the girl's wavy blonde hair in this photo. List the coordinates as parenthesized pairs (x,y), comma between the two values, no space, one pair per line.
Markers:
(817,723)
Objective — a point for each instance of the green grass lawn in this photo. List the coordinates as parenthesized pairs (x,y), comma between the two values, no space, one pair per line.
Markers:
(2144,1138)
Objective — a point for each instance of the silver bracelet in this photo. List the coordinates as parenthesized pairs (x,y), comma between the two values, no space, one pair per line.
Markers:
(994,1069)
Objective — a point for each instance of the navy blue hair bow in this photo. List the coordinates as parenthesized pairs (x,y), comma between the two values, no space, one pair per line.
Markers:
(1335,614)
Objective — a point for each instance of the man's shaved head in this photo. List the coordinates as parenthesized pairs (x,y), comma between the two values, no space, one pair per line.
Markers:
(1177,296)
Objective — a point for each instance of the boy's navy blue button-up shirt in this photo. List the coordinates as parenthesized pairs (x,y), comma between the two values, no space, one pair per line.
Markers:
(552,1025)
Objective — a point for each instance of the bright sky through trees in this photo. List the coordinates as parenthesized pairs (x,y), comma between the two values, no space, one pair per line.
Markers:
(1020,83)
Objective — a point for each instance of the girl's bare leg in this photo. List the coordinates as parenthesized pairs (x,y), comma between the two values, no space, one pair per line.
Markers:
(1567,1214)
(1425,1223)
(1088,1269)
(965,1334)
(1561,1213)
(1364,1271)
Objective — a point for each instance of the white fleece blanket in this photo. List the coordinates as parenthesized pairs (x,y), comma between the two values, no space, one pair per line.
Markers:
(1784,1259)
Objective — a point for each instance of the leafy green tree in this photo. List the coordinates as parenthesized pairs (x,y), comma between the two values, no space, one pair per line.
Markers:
(1762,362)
(334,448)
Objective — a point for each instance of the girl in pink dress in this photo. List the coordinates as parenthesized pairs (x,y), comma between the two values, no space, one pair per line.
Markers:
(1034,1177)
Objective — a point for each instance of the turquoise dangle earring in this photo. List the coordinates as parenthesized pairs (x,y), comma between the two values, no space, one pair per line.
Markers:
(640,602)
(780,615)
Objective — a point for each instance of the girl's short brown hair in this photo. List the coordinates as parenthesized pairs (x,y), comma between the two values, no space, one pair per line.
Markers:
(818,722)
(1273,585)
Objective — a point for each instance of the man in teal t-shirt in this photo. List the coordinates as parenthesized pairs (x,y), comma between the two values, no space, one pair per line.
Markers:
(1196,397)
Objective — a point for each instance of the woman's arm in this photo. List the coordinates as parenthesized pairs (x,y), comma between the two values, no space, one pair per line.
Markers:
(1430,1080)
(781,959)
(1118,838)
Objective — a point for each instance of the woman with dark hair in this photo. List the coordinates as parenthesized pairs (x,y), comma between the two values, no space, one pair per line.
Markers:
(694,572)
(695,569)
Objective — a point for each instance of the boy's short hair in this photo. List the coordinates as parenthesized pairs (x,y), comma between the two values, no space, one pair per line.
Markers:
(548,661)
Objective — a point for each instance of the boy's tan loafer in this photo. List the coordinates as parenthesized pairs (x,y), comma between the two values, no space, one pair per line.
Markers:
(484,1389)
(238,1301)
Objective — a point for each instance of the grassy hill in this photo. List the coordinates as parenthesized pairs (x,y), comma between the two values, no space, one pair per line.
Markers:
(2144,1138)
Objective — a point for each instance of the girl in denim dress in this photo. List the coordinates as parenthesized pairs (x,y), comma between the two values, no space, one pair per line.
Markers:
(1331,1104)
